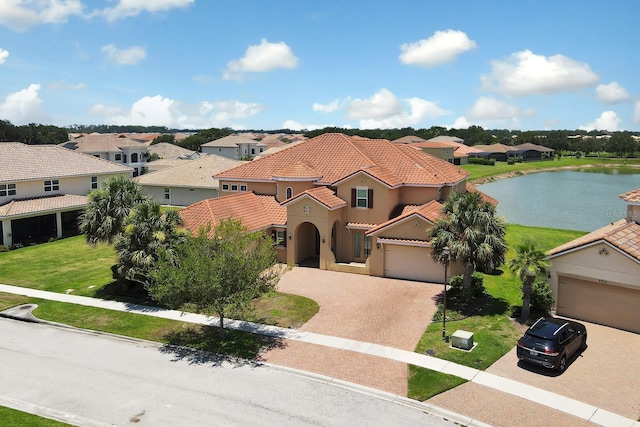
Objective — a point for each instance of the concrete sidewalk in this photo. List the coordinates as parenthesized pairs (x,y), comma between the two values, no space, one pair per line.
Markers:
(552,400)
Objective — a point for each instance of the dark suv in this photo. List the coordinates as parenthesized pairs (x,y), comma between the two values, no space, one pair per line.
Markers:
(551,342)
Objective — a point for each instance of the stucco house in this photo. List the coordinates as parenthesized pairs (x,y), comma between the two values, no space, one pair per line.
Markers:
(165,150)
(236,147)
(187,183)
(114,148)
(43,189)
(348,203)
(597,276)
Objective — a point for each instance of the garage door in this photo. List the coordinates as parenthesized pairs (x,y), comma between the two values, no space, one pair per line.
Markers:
(599,303)
(411,263)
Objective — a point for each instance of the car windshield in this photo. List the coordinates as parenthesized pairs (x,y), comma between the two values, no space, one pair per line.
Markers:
(545,330)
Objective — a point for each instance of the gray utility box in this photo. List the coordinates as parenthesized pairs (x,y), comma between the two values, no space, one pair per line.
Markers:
(462,339)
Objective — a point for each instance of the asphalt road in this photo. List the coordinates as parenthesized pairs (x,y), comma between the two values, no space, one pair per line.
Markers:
(95,379)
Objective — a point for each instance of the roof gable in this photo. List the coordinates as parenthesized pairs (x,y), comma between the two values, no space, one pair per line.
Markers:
(322,195)
(429,212)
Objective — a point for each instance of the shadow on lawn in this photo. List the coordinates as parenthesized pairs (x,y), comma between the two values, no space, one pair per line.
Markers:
(203,345)
(460,307)
(129,292)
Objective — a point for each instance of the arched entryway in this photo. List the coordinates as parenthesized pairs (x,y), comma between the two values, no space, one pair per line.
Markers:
(308,245)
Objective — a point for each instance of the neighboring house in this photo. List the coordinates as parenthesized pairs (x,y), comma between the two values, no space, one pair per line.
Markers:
(43,189)
(596,277)
(348,204)
(187,183)
(162,164)
(165,150)
(113,148)
(502,152)
(409,139)
(236,147)
(447,148)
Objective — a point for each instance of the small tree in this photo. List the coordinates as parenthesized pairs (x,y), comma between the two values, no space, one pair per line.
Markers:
(529,264)
(218,274)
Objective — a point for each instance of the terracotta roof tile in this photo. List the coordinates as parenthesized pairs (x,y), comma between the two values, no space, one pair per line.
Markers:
(255,212)
(631,196)
(166,150)
(191,173)
(485,197)
(430,211)
(297,171)
(21,162)
(18,207)
(95,143)
(622,234)
(336,156)
(322,195)
(360,225)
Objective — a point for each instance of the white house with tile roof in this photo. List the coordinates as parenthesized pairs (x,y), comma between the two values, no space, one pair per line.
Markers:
(189,182)
(596,277)
(114,148)
(351,204)
(43,188)
(236,147)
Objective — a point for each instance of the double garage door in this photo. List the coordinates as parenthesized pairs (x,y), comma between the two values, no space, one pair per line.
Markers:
(411,263)
(599,303)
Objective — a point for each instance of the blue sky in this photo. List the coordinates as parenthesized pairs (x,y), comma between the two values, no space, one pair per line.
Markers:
(259,64)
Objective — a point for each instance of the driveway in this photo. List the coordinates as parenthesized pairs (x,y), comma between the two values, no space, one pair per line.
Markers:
(383,311)
(606,375)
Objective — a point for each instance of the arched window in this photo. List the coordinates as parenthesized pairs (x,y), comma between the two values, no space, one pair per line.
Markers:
(134,157)
(289,192)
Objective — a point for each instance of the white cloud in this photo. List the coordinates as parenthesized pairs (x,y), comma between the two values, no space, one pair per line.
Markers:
(127,8)
(440,48)
(128,56)
(384,110)
(262,58)
(160,111)
(525,73)
(486,108)
(63,85)
(297,126)
(460,123)
(330,107)
(23,107)
(20,15)
(611,93)
(608,120)
(636,113)
(4,54)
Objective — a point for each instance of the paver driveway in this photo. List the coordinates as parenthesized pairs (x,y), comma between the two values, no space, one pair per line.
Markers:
(382,311)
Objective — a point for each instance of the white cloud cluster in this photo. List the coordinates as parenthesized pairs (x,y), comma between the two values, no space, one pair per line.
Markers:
(384,110)
(4,54)
(128,56)
(127,8)
(611,93)
(159,111)
(608,120)
(486,108)
(327,108)
(297,126)
(23,107)
(261,58)
(20,15)
(525,73)
(440,48)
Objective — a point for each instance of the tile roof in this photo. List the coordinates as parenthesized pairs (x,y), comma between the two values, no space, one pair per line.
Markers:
(430,212)
(622,234)
(166,150)
(18,207)
(323,195)
(21,162)
(485,197)
(631,196)
(529,146)
(446,138)
(191,173)
(337,156)
(256,212)
(231,141)
(408,139)
(100,143)
(297,171)
(494,148)
(161,164)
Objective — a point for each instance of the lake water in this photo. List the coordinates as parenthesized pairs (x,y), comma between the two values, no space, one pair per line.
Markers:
(572,200)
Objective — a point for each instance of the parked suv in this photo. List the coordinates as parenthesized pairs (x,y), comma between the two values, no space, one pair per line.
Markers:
(551,342)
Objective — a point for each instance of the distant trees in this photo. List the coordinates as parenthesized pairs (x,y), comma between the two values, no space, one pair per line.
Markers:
(167,137)
(194,142)
(32,133)
(622,144)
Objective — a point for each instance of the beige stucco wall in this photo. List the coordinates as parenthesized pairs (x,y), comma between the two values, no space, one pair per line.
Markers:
(384,200)
(180,196)
(609,267)
(228,152)
(419,195)
(267,188)
(296,186)
(633,212)
(444,153)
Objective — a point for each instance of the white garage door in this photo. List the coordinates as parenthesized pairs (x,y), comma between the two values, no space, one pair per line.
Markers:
(411,263)
(599,303)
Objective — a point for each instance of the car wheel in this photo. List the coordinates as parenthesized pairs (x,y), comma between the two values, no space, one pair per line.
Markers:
(563,363)
(584,342)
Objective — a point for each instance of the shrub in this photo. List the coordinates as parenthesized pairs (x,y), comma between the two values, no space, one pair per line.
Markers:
(541,297)
(511,161)
(457,292)
(4,248)
(481,161)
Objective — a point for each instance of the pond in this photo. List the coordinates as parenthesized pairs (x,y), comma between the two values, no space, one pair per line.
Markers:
(574,200)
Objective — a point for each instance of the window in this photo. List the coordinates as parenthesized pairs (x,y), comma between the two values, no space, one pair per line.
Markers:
(94,182)
(134,157)
(225,187)
(243,187)
(307,209)
(367,246)
(234,187)
(96,155)
(289,192)
(167,193)
(52,185)
(362,197)
(7,190)
(280,238)
(261,149)
(136,172)
(357,244)
(118,157)
(253,151)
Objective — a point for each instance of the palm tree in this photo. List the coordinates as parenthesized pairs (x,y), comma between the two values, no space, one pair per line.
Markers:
(530,263)
(146,232)
(108,207)
(472,231)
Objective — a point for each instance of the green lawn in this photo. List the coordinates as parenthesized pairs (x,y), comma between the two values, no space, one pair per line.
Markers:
(500,168)
(13,418)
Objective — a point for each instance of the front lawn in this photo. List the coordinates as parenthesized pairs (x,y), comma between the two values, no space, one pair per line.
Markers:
(12,418)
